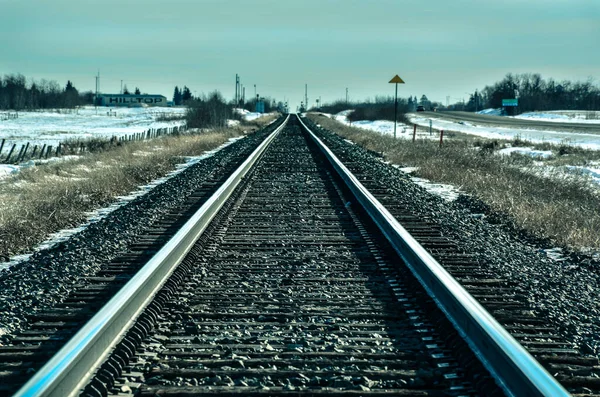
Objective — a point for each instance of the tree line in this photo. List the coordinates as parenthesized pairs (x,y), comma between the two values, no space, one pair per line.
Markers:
(17,94)
(381,108)
(537,94)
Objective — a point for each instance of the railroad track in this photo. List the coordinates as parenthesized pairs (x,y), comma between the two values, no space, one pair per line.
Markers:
(299,283)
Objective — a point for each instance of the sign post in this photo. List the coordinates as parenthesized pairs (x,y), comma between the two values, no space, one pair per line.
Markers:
(396,80)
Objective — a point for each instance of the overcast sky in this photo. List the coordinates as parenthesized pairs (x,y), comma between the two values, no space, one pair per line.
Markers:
(439,47)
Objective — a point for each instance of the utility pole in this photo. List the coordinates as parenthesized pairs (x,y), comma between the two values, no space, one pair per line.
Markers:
(237,83)
(97,90)
(346,95)
(306,96)
(254,89)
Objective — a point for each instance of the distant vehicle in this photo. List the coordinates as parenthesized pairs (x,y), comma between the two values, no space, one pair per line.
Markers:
(420,108)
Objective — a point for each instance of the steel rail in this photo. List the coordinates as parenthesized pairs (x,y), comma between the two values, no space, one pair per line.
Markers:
(514,369)
(73,366)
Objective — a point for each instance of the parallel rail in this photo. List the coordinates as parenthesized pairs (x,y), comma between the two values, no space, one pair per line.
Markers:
(73,366)
(513,368)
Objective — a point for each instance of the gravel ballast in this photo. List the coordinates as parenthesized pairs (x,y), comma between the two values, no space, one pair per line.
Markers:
(562,289)
(48,275)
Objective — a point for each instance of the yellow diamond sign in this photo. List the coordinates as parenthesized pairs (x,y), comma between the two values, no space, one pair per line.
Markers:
(397,80)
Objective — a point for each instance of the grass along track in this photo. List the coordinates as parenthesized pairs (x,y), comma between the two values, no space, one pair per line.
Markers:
(45,199)
(565,211)
(286,267)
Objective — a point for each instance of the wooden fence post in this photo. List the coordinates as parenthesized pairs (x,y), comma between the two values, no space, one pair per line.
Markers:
(25,151)
(35,147)
(11,152)
(42,151)
(48,150)
(20,153)
(414,132)
(2,146)
(441,137)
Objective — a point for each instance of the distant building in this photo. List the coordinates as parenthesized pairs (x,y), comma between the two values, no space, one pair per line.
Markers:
(131,100)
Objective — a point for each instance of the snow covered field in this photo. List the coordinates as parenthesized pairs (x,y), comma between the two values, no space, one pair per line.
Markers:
(53,126)
(587,141)
(404,131)
(563,116)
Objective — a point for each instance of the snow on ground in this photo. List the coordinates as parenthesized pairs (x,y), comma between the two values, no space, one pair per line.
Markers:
(593,171)
(248,115)
(99,214)
(403,131)
(447,192)
(491,112)
(7,170)
(526,151)
(563,116)
(53,126)
(588,141)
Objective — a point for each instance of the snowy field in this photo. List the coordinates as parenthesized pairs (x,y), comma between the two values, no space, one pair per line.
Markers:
(53,126)
(587,141)
(563,116)
(559,116)
(450,193)
(403,131)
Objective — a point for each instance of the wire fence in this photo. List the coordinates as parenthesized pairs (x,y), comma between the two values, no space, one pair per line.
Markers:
(14,153)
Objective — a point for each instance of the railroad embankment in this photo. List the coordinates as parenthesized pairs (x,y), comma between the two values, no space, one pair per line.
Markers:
(46,198)
(513,190)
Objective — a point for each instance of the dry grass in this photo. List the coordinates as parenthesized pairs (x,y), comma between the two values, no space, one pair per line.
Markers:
(50,197)
(565,211)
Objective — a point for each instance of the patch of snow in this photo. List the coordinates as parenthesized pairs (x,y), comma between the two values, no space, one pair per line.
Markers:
(526,151)
(447,192)
(403,131)
(7,170)
(592,172)
(556,254)
(248,115)
(232,123)
(542,116)
(492,112)
(408,170)
(101,213)
(563,116)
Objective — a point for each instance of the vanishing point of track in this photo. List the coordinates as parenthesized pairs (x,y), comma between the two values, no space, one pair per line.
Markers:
(299,283)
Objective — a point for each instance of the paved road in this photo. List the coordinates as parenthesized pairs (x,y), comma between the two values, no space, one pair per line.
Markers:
(484,119)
